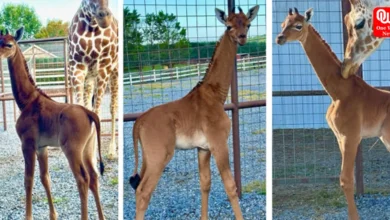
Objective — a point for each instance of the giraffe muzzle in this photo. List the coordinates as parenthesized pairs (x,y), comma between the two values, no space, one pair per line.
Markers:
(104,18)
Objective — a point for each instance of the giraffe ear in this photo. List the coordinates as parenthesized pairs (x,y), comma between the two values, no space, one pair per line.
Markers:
(308,14)
(19,34)
(252,13)
(221,16)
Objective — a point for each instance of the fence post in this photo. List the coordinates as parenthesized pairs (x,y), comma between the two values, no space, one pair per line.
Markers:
(3,102)
(346,8)
(68,89)
(243,63)
(131,80)
(177,73)
(235,121)
(154,74)
(198,67)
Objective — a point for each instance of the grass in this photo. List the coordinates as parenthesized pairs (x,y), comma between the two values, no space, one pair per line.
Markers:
(114,181)
(250,95)
(156,67)
(154,86)
(56,200)
(255,186)
(258,131)
(319,198)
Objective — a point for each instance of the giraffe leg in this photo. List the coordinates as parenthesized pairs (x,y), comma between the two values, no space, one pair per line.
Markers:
(205,179)
(29,166)
(45,179)
(348,148)
(101,88)
(89,85)
(78,78)
(221,155)
(113,111)
(80,173)
(90,163)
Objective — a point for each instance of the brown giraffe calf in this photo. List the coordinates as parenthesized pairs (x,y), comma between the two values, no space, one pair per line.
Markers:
(198,120)
(44,122)
(357,110)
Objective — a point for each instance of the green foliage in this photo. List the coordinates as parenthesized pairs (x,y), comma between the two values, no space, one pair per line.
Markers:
(13,16)
(54,28)
(163,28)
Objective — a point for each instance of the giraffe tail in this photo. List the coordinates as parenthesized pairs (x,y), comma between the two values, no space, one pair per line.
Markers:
(135,179)
(95,118)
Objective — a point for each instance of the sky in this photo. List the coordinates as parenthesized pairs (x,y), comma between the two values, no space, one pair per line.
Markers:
(198,16)
(56,9)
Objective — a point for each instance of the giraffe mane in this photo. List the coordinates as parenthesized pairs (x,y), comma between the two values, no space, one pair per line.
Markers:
(327,45)
(209,66)
(31,79)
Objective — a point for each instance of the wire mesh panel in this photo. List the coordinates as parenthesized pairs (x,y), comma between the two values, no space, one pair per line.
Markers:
(158,71)
(304,146)
(306,157)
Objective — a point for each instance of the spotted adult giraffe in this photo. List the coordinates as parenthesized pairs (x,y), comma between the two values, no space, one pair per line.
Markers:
(197,120)
(93,58)
(361,42)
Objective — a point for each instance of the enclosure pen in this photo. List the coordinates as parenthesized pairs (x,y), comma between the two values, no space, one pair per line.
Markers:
(158,71)
(306,157)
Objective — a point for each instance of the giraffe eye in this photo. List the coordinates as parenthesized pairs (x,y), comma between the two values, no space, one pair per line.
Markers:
(360,25)
(249,26)
(229,27)
(298,27)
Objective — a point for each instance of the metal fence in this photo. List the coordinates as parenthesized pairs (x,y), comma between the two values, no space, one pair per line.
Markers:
(305,150)
(151,79)
(47,60)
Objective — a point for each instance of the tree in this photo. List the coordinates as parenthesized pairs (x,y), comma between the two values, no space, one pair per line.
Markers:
(132,39)
(164,29)
(54,28)
(14,16)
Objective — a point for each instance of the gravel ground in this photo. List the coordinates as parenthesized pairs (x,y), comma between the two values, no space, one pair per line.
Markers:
(369,207)
(64,188)
(181,174)
(307,163)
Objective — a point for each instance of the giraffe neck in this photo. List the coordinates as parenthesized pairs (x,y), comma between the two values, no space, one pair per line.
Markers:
(23,86)
(218,76)
(325,63)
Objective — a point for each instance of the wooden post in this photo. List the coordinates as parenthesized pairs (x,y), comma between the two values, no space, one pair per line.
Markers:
(346,8)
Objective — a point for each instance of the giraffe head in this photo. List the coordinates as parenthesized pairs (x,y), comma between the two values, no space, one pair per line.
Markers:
(237,24)
(8,46)
(361,43)
(99,10)
(294,27)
